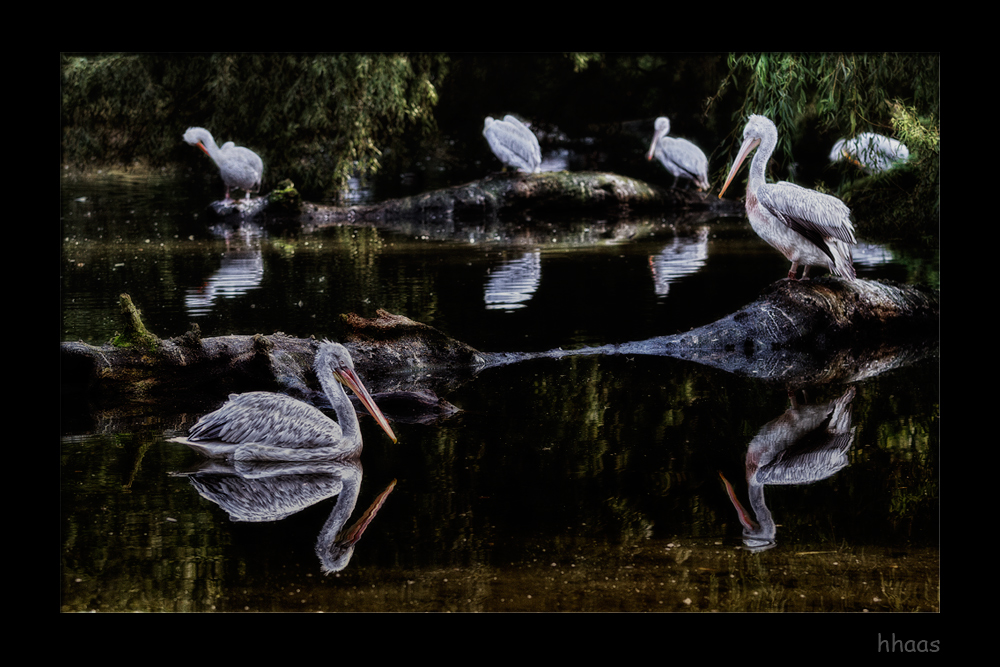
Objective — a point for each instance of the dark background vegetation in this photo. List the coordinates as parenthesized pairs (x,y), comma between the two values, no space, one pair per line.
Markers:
(319,119)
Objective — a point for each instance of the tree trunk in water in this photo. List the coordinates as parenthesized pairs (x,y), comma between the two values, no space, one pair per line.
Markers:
(797,333)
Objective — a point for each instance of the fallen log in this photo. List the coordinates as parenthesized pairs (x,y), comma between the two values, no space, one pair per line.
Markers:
(507,195)
(808,332)
(138,366)
(798,333)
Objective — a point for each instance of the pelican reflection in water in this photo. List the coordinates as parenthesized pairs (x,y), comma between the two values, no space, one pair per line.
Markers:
(265,426)
(239,167)
(241,269)
(513,143)
(807,227)
(514,282)
(685,255)
(806,444)
(254,491)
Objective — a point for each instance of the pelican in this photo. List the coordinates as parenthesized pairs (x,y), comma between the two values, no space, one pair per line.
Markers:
(264,426)
(513,143)
(239,167)
(681,158)
(807,227)
(872,152)
(806,444)
(260,492)
(335,545)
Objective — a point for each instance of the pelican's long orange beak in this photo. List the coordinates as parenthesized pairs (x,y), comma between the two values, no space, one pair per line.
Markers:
(202,147)
(353,382)
(353,534)
(742,514)
(749,144)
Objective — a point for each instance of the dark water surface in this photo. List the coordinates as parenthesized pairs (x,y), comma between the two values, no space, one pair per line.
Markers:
(573,484)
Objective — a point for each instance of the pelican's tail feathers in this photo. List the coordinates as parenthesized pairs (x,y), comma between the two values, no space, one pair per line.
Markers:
(843,260)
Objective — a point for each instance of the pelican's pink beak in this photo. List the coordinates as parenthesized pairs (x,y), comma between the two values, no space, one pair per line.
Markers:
(749,144)
(353,534)
(349,378)
(652,147)
(745,519)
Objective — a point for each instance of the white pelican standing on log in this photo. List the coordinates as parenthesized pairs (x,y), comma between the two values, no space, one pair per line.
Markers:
(873,153)
(807,227)
(264,426)
(513,143)
(239,167)
(681,158)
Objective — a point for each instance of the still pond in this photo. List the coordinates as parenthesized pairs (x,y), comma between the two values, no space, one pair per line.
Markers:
(590,483)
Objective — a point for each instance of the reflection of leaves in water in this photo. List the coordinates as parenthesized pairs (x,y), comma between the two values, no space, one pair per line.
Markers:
(681,554)
(914,485)
(631,524)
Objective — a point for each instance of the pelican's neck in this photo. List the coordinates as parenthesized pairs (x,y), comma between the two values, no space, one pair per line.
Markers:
(213,149)
(347,417)
(333,556)
(758,166)
(766,528)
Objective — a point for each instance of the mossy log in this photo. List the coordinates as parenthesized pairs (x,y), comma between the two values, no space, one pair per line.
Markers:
(280,204)
(190,366)
(512,194)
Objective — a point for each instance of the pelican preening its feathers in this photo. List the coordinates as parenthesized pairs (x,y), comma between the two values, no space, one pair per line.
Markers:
(513,143)
(239,167)
(264,426)
(680,157)
(807,227)
(873,153)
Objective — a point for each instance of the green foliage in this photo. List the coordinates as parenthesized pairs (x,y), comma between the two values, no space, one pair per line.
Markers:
(814,98)
(102,99)
(314,119)
(582,61)
(921,136)
(896,199)
(843,94)
(905,201)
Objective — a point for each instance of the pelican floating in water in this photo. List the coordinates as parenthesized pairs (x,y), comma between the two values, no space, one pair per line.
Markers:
(872,152)
(807,227)
(681,158)
(513,143)
(264,426)
(239,167)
